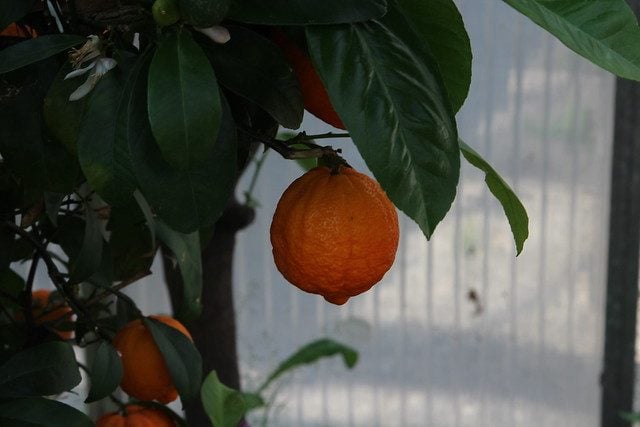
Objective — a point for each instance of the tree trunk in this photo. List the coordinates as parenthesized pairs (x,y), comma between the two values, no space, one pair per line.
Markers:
(214,332)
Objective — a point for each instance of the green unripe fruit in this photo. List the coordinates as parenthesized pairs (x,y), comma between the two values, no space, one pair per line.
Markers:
(204,13)
(165,12)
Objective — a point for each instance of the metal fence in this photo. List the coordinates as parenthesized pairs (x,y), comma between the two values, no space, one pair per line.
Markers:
(459,332)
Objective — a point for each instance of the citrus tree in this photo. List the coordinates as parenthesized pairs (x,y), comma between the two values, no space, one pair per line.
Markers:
(124,126)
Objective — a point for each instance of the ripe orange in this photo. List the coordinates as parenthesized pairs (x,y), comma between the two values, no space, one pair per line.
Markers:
(334,234)
(314,94)
(45,312)
(145,373)
(13,30)
(136,416)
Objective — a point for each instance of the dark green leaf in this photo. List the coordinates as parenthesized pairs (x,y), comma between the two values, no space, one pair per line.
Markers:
(439,25)
(387,89)
(513,208)
(186,249)
(203,13)
(131,242)
(182,358)
(13,338)
(255,68)
(311,353)
(106,372)
(40,162)
(43,370)
(102,145)
(184,102)
(63,117)
(11,285)
(605,32)
(185,200)
(34,50)
(41,412)
(13,10)
(306,12)
(224,406)
(148,215)
(89,257)
(52,203)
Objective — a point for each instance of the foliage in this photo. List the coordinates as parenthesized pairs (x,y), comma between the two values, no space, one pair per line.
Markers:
(150,150)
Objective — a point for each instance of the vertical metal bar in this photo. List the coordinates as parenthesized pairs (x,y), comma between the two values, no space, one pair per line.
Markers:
(572,226)
(429,305)
(403,320)
(618,376)
(515,176)
(457,289)
(491,29)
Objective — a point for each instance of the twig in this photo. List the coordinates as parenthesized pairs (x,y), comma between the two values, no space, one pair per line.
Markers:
(115,290)
(285,150)
(28,298)
(56,277)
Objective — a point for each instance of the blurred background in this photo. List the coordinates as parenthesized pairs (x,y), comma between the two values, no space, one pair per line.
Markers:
(460,332)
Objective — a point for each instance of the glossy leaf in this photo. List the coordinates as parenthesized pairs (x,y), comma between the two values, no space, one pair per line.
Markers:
(63,117)
(439,25)
(42,370)
(605,32)
(89,256)
(102,147)
(41,412)
(186,249)
(13,10)
(34,50)
(388,91)
(185,200)
(224,406)
(311,353)
(106,372)
(513,207)
(182,358)
(255,68)
(184,103)
(306,12)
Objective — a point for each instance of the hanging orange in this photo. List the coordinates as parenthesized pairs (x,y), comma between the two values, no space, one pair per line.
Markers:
(47,313)
(314,94)
(15,30)
(136,416)
(145,374)
(334,233)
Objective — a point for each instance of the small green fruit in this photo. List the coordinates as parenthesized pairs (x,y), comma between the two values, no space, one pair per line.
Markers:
(165,12)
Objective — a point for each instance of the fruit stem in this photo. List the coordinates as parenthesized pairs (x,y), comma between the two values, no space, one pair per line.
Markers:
(285,150)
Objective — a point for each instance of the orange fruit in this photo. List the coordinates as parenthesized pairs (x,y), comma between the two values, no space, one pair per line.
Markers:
(145,374)
(46,312)
(334,233)
(314,94)
(136,416)
(14,30)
